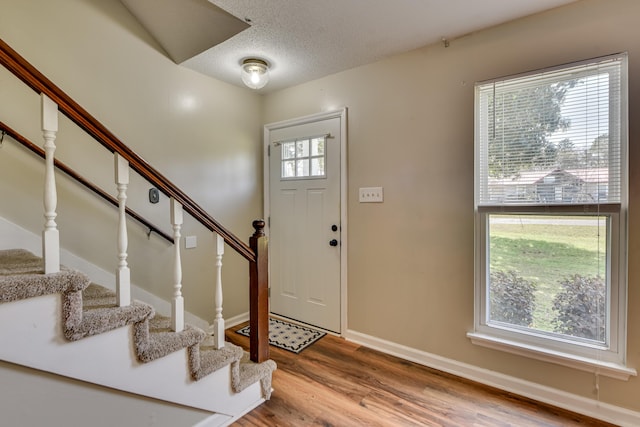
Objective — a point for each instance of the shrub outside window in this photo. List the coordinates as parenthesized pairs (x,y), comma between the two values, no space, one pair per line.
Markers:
(550,206)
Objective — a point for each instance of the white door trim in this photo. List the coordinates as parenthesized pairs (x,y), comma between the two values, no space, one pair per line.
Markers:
(342,114)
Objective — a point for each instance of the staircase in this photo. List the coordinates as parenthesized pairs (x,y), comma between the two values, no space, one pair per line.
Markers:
(54,319)
(63,323)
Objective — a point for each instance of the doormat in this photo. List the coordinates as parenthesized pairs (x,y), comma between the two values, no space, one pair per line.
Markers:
(288,336)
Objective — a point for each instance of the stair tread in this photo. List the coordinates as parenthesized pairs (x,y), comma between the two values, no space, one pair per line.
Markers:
(100,313)
(205,358)
(20,261)
(155,338)
(22,276)
(251,372)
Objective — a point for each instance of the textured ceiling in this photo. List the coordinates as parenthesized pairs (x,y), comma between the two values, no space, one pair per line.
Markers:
(308,39)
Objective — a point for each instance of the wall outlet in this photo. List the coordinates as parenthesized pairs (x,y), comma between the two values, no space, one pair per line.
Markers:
(371,195)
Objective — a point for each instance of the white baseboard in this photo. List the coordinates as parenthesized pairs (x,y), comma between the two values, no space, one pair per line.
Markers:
(589,407)
(236,320)
(217,420)
(14,237)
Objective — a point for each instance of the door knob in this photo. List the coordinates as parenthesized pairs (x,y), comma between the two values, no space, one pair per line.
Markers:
(334,227)
(333,242)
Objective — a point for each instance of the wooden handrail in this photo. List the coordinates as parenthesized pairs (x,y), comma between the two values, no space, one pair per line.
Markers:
(22,69)
(73,174)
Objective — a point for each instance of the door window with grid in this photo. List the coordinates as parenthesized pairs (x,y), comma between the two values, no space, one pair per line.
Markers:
(303,158)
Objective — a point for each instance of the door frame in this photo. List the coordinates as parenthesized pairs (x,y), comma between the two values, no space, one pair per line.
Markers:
(268,128)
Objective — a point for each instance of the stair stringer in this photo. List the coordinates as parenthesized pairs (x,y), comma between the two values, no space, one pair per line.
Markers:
(32,336)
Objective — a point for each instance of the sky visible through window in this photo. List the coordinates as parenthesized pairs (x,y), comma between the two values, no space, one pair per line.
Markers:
(588,119)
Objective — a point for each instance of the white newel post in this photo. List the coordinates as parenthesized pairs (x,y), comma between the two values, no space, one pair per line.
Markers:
(218,323)
(50,235)
(177,304)
(123,275)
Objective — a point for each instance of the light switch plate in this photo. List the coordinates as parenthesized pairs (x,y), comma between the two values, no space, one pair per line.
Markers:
(190,242)
(371,195)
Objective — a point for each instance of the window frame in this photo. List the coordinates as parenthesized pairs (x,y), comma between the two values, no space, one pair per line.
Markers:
(608,359)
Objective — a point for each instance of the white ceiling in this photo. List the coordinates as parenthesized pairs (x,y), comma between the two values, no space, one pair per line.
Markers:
(303,40)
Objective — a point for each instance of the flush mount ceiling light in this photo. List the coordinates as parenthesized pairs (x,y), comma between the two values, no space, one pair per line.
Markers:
(255,73)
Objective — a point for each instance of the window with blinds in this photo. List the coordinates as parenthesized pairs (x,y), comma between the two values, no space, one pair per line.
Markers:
(552,137)
(550,198)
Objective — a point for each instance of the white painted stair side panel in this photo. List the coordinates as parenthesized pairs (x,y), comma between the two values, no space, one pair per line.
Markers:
(31,336)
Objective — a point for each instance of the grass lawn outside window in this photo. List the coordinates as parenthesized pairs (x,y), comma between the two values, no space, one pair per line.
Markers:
(549,253)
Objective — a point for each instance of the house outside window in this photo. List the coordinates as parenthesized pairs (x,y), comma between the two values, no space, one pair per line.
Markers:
(551,212)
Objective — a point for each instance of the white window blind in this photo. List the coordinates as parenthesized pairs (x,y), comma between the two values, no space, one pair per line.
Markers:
(551,138)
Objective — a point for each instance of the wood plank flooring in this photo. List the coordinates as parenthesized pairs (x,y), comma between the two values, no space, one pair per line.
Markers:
(337,383)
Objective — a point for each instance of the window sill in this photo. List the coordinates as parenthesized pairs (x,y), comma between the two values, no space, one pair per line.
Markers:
(608,369)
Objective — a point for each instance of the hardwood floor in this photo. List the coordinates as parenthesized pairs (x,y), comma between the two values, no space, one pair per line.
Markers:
(337,383)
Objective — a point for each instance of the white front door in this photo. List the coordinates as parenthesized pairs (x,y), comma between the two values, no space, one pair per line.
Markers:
(305,229)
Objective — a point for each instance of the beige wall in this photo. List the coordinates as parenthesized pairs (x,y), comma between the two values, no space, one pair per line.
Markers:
(411,131)
(202,134)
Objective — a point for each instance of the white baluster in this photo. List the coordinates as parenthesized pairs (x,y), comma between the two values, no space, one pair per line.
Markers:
(218,323)
(177,304)
(50,235)
(123,275)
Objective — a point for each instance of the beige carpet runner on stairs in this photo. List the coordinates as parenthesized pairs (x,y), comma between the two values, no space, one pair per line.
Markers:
(90,309)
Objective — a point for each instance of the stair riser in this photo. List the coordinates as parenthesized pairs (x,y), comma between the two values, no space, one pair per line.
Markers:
(35,339)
